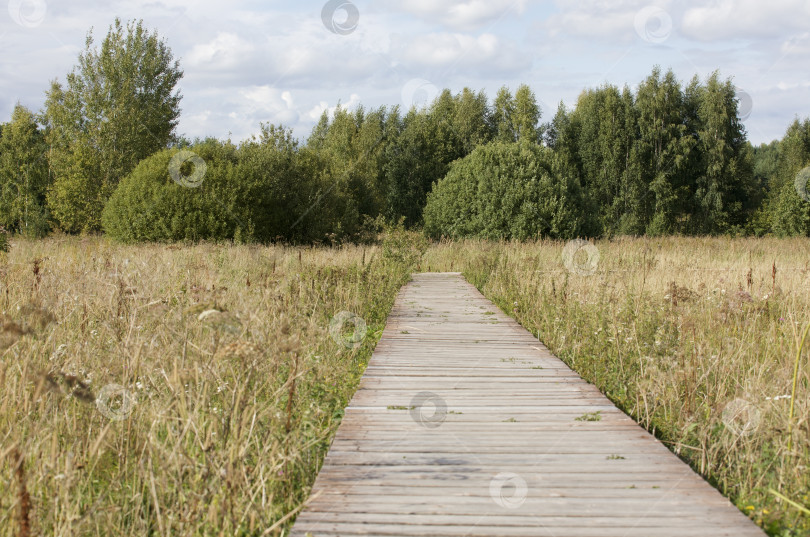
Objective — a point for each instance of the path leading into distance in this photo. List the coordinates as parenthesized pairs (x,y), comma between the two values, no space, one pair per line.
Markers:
(466,425)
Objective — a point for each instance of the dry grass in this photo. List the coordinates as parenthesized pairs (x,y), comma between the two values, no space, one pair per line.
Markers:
(695,338)
(193,390)
(165,390)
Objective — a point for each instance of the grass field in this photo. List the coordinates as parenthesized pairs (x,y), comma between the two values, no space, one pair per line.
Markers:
(694,338)
(160,390)
(193,390)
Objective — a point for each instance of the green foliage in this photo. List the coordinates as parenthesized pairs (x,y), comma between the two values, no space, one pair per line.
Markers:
(662,151)
(286,195)
(516,118)
(411,166)
(766,162)
(502,113)
(23,175)
(603,129)
(349,149)
(725,192)
(470,122)
(527,115)
(504,191)
(669,159)
(402,246)
(425,144)
(118,107)
(789,214)
(265,190)
(765,167)
(149,205)
(5,246)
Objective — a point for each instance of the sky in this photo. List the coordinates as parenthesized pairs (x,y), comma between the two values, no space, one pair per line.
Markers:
(247,62)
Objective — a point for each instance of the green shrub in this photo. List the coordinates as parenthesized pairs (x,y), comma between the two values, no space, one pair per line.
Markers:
(790,213)
(149,205)
(265,190)
(289,194)
(505,191)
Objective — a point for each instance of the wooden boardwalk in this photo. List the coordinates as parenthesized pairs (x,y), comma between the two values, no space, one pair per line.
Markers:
(465,424)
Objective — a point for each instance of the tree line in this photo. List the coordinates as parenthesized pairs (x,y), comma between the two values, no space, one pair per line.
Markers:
(103,155)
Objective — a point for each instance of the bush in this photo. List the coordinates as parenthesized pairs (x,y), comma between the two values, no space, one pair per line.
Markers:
(289,194)
(505,191)
(149,205)
(790,213)
(265,190)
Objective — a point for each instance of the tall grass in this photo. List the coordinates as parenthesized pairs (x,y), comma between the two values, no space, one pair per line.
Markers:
(193,390)
(166,390)
(694,338)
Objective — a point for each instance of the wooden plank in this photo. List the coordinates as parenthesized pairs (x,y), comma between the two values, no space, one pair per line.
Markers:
(477,527)
(466,425)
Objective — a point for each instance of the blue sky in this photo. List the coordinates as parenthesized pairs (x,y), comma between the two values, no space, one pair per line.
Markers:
(251,61)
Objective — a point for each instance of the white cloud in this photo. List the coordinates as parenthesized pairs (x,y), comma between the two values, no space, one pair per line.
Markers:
(454,51)
(315,113)
(747,19)
(798,46)
(786,86)
(610,20)
(461,14)
(274,105)
(247,62)
(226,51)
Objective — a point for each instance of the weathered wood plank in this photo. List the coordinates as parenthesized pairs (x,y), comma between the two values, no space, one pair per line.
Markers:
(466,425)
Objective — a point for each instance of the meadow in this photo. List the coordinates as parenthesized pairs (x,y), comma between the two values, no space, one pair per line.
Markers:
(695,338)
(194,389)
(167,390)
